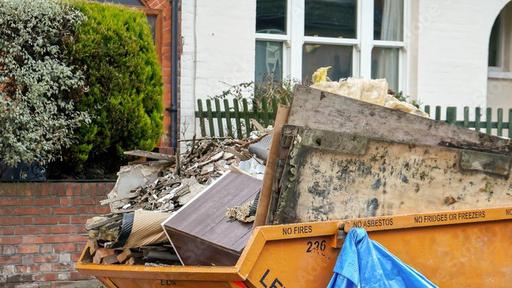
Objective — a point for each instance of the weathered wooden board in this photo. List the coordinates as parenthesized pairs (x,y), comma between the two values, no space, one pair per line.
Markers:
(316,109)
(332,176)
(270,170)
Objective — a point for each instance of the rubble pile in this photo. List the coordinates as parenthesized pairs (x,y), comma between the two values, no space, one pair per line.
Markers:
(158,188)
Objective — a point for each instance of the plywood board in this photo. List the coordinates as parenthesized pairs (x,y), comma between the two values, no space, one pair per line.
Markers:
(315,109)
(342,176)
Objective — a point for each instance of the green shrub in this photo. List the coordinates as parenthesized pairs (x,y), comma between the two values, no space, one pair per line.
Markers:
(115,49)
(38,86)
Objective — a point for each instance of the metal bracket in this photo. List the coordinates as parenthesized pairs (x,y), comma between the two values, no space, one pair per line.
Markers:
(497,164)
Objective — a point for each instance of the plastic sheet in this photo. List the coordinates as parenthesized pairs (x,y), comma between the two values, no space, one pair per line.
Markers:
(364,263)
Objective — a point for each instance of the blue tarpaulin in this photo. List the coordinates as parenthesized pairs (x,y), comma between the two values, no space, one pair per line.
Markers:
(364,263)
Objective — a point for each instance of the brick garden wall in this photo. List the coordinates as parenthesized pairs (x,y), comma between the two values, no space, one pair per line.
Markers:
(42,232)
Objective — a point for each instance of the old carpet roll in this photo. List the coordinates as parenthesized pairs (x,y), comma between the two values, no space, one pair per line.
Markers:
(146,229)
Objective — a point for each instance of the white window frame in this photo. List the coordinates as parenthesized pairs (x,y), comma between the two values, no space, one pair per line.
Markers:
(294,40)
(501,49)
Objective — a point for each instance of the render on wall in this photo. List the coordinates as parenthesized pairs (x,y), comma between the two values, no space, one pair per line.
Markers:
(453,39)
(218,52)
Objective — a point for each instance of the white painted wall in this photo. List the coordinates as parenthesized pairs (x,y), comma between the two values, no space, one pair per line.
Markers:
(447,51)
(453,39)
(218,51)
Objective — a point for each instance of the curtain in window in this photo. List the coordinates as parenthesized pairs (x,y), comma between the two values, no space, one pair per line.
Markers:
(392,30)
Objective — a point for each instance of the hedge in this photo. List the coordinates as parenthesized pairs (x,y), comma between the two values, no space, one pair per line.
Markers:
(38,84)
(114,48)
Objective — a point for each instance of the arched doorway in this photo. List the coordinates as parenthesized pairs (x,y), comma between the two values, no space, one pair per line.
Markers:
(499,83)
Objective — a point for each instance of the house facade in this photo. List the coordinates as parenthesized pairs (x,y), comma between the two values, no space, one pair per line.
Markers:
(439,52)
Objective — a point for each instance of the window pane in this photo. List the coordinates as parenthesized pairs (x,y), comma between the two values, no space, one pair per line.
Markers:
(331,18)
(124,2)
(152,25)
(271,16)
(495,43)
(388,20)
(269,61)
(316,56)
(385,65)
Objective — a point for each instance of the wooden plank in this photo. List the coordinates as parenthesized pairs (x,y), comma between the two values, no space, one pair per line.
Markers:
(427,110)
(268,177)
(264,108)
(123,256)
(150,155)
(256,115)
(500,122)
(229,125)
(238,123)
(275,107)
(219,117)
(102,253)
(316,109)
(210,117)
(451,115)
(509,123)
(466,117)
(245,113)
(488,121)
(201,117)
(438,113)
(478,114)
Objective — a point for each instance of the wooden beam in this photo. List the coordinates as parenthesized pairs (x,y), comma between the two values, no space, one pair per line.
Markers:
(268,177)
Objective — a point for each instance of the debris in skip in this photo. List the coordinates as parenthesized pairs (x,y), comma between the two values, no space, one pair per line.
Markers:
(155,187)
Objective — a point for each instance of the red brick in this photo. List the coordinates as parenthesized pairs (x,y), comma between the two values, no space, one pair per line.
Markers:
(48,239)
(51,220)
(8,189)
(75,257)
(45,189)
(45,248)
(14,201)
(64,247)
(79,276)
(31,230)
(45,277)
(79,219)
(57,189)
(28,268)
(7,231)
(14,259)
(85,201)
(58,267)
(73,189)
(66,201)
(8,249)
(89,189)
(28,249)
(15,220)
(61,211)
(94,210)
(31,211)
(51,258)
(10,240)
(46,201)
(67,229)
